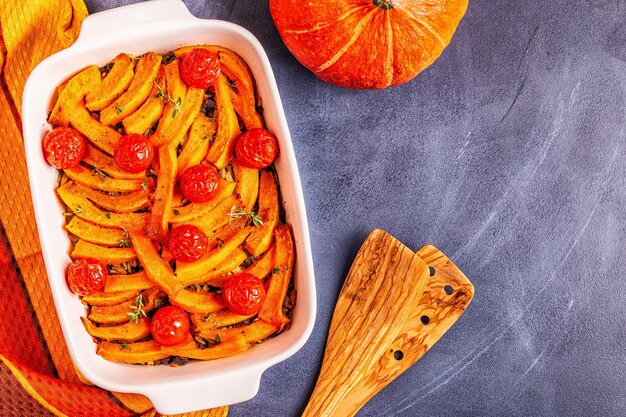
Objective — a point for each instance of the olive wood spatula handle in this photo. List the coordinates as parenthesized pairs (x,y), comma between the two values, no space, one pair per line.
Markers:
(356,367)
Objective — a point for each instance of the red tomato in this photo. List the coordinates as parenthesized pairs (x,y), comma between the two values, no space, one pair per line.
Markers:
(200,68)
(86,276)
(257,148)
(134,153)
(187,243)
(170,325)
(63,147)
(243,293)
(200,183)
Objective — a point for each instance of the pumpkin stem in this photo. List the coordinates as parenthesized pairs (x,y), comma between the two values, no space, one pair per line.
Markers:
(384,4)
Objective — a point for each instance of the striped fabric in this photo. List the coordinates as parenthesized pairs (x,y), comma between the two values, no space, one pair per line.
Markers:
(37,377)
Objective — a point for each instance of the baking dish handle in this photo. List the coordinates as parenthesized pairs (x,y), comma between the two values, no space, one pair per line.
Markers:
(100,25)
(185,397)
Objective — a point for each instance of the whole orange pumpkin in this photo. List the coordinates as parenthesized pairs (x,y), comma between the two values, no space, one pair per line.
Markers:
(367,43)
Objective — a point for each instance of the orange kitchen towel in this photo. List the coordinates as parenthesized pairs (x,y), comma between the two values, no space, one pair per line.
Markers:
(37,376)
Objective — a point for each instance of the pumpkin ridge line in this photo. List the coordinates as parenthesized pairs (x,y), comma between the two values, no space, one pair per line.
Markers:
(389,64)
(357,32)
(422,23)
(323,25)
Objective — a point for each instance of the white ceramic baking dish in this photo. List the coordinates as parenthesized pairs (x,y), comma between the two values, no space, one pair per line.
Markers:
(162,25)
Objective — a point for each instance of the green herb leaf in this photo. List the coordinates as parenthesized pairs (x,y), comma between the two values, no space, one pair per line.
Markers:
(219,243)
(144,184)
(218,338)
(276,270)
(125,243)
(118,109)
(97,171)
(108,214)
(137,308)
(124,346)
(236,213)
(79,209)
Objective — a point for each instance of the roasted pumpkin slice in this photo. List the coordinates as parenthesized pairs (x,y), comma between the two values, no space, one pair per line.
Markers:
(97,180)
(151,110)
(134,353)
(251,333)
(214,320)
(113,85)
(127,332)
(190,271)
(122,203)
(222,350)
(73,93)
(84,249)
(195,149)
(156,269)
(272,309)
(217,217)
(102,136)
(198,301)
(162,207)
(86,210)
(93,233)
(238,71)
(121,313)
(195,210)
(226,232)
(247,180)
(261,238)
(109,298)
(219,274)
(227,126)
(128,282)
(262,267)
(173,129)
(105,163)
(173,98)
(138,90)
(184,50)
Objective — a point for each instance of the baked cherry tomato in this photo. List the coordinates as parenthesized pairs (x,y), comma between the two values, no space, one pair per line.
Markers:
(200,183)
(257,148)
(200,68)
(170,325)
(86,276)
(64,147)
(243,293)
(187,243)
(134,153)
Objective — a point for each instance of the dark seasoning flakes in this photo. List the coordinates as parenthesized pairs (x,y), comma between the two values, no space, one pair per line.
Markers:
(208,109)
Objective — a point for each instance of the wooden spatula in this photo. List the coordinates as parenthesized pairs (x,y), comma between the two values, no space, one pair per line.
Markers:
(394,305)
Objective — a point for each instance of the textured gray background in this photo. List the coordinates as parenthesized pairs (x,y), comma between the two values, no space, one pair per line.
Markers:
(508,154)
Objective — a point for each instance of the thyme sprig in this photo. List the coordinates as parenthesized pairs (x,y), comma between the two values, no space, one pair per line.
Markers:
(99,172)
(138,310)
(236,213)
(166,98)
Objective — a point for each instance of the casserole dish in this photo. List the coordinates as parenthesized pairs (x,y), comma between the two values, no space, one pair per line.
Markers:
(161,26)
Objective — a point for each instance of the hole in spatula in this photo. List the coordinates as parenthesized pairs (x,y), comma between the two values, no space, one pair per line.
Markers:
(448,289)
(398,355)
(425,319)
(431,270)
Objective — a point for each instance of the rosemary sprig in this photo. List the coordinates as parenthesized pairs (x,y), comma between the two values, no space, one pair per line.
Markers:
(236,213)
(118,109)
(166,98)
(79,209)
(138,310)
(276,270)
(97,171)
(124,346)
